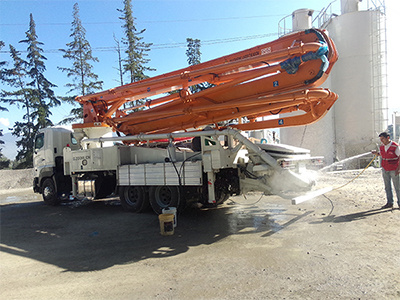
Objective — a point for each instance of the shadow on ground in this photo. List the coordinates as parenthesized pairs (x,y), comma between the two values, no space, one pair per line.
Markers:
(97,236)
(355,216)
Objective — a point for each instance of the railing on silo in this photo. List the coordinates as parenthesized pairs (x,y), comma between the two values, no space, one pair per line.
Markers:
(285,25)
(324,16)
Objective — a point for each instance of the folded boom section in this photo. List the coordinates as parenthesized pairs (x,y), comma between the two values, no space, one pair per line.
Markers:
(275,78)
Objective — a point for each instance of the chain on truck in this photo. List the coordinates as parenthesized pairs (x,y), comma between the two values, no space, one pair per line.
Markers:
(175,149)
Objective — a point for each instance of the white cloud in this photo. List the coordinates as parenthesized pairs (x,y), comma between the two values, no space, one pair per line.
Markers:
(5,122)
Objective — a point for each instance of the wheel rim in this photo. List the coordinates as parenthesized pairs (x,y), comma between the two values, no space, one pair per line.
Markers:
(163,196)
(132,195)
(48,191)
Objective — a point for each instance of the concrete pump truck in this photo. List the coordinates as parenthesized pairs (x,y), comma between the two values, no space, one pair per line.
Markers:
(180,147)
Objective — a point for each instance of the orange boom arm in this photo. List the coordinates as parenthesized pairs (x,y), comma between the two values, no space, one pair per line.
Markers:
(278,77)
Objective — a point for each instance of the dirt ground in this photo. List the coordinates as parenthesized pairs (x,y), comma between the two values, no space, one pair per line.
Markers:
(337,246)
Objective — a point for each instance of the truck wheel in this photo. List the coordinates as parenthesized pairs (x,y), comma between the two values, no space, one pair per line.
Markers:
(49,192)
(222,197)
(164,196)
(133,198)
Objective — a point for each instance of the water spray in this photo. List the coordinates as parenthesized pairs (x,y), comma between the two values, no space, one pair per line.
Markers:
(344,161)
(323,191)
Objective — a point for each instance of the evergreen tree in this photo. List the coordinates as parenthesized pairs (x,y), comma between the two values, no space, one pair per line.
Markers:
(193,51)
(1,143)
(4,162)
(42,96)
(21,96)
(32,91)
(79,51)
(135,62)
(193,58)
(120,69)
(16,78)
(2,75)
(2,63)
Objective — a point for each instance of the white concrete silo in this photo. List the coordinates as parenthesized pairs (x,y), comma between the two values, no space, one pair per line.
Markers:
(348,6)
(359,78)
(302,19)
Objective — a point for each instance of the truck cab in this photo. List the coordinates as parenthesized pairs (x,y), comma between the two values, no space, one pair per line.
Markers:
(49,179)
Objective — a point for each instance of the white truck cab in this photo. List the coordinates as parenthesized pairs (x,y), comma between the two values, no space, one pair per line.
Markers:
(49,179)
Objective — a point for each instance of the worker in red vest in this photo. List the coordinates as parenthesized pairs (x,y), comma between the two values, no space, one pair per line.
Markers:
(390,157)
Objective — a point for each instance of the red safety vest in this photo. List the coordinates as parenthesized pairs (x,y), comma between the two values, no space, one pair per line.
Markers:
(390,160)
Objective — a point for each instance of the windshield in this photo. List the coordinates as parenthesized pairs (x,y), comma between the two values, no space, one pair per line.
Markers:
(39,141)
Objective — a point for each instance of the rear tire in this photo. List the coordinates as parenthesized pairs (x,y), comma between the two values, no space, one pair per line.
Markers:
(164,196)
(49,192)
(222,197)
(134,198)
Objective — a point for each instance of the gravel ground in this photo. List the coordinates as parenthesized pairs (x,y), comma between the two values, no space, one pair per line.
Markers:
(337,246)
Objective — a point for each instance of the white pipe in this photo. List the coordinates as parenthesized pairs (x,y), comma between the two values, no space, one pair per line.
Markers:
(233,132)
(311,195)
(157,136)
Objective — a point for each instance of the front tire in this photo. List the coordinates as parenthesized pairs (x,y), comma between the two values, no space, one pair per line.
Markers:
(49,192)
(134,198)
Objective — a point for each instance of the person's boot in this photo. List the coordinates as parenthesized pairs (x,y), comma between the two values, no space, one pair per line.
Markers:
(387,205)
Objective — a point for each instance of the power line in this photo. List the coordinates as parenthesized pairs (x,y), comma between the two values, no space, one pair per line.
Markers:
(150,21)
(173,45)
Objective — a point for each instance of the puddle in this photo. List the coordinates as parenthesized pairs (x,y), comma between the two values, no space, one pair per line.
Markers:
(12,199)
(257,221)
(261,216)
(19,196)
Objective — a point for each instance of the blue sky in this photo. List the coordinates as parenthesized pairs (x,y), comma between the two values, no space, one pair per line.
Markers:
(223,26)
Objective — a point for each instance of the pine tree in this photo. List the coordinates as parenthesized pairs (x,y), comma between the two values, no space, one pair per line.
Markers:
(21,96)
(32,91)
(135,62)
(193,58)
(16,78)
(2,64)
(193,51)
(79,51)
(120,69)
(4,161)
(42,96)
(1,143)
(2,75)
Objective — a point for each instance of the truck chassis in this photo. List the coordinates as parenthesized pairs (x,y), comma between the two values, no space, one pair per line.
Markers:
(165,174)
